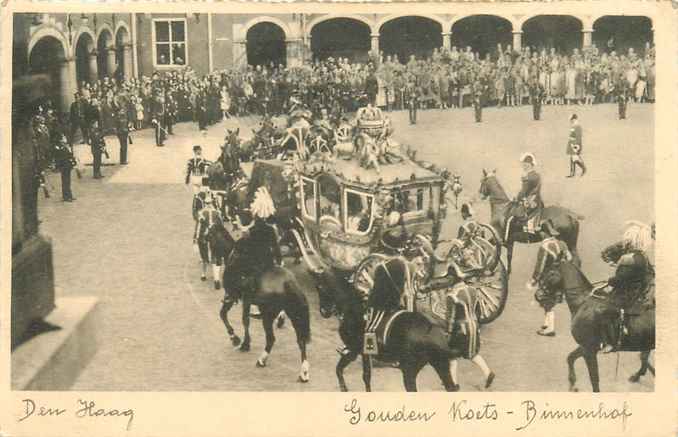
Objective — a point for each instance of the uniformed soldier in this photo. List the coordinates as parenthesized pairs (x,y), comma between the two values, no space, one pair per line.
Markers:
(536,97)
(412,94)
(258,251)
(122,126)
(196,169)
(633,278)
(477,101)
(172,112)
(469,256)
(159,120)
(208,217)
(622,92)
(551,252)
(529,198)
(98,148)
(575,147)
(65,162)
(77,119)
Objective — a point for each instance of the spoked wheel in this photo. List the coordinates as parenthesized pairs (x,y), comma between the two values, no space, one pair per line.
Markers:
(363,277)
(488,246)
(492,290)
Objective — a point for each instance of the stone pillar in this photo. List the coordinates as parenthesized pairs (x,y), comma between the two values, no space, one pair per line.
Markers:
(587,37)
(374,43)
(128,62)
(66,83)
(517,40)
(239,53)
(110,61)
(447,40)
(93,66)
(294,49)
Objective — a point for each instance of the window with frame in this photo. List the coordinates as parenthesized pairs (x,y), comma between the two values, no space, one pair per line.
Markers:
(414,201)
(169,40)
(308,189)
(358,212)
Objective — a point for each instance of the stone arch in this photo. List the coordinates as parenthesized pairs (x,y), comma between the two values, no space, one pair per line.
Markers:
(84,45)
(431,17)
(49,31)
(265,19)
(105,46)
(123,51)
(624,32)
(481,32)
(48,57)
(122,26)
(410,35)
(341,36)
(373,27)
(559,31)
(265,44)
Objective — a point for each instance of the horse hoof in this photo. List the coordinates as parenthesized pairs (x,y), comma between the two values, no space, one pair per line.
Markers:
(574,389)
(302,380)
(634,378)
(260,364)
(343,388)
(235,341)
(455,387)
(244,347)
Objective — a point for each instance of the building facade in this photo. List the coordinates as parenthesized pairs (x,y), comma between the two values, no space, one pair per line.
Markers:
(72,48)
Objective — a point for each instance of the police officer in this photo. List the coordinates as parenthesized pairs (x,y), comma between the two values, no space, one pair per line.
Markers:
(65,162)
(633,278)
(122,125)
(575,147)
(98,148)
(551,252)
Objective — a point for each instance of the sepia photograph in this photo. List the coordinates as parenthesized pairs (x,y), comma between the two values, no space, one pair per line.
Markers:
(461,200)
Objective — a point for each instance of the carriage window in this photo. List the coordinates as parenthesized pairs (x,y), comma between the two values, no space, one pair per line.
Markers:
(416,200)
(329,195)
(308,196)
(358,212)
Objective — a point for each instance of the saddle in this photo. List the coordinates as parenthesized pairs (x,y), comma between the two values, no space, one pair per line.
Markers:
(524,215)
(623,309)
(377,329)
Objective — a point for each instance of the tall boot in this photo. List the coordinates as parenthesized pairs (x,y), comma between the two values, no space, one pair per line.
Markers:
(581,165)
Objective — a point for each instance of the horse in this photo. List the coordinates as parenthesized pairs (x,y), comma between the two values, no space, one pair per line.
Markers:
(590,313)
(276,290)
(565,221)
(412,339)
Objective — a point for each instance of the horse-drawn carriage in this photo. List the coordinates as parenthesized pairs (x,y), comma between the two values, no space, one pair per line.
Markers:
(351,219)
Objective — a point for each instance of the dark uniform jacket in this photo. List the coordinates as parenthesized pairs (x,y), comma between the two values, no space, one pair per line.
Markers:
(550,252)
(575,139)
(196,167)
(63,158)
(98,143)
(531,189)
(260,250)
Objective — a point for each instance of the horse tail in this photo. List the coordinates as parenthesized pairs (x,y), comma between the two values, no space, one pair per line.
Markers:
(298,310)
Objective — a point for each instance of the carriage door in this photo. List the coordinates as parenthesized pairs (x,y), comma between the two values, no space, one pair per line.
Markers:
(329,204)
(358,213)
(309,199)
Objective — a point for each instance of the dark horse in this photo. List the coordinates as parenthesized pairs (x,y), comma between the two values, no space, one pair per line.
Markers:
(590,314)
(274,291)
(413,339)
(564,220)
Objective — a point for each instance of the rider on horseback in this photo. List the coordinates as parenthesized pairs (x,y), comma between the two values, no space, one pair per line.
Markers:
(528,202)
(551,253)
(209,218)
(259,250)
(632,280)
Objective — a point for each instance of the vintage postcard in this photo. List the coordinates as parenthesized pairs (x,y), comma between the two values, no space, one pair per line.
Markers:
(217,218)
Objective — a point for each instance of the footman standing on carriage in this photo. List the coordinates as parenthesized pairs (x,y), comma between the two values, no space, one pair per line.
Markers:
(633,279)
(551,252)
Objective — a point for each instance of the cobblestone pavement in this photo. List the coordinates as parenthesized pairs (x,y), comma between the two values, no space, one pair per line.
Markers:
(127,241)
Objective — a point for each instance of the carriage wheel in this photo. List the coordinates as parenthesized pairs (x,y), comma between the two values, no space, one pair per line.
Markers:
(492,291)
(363,277)
(488,244)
